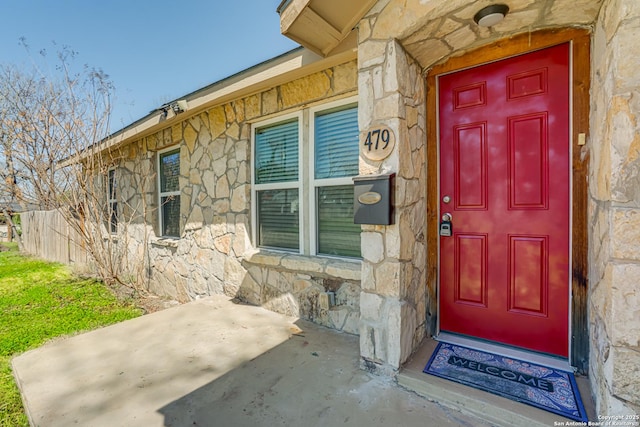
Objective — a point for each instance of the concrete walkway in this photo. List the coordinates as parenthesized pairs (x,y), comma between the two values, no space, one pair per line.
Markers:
(214,363)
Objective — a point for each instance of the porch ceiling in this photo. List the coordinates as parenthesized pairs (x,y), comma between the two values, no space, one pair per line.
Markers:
(322,25)
(431,30)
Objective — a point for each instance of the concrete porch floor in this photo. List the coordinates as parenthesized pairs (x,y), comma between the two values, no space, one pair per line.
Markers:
(212,362)
(491,408)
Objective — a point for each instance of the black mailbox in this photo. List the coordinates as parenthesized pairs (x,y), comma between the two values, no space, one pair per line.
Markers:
(372,202)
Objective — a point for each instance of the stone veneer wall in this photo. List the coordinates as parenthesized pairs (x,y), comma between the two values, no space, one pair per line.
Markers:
(214,254)
(325,290)
(394,297)
(614,210)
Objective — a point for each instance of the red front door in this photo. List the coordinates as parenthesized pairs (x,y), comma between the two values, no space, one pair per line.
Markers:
(504,179)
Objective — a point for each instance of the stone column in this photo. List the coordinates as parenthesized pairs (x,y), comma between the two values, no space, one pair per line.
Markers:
(392,301)
(614,210)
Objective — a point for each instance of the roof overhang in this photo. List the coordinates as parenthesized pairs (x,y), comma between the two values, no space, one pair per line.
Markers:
(322,25)
(276,71)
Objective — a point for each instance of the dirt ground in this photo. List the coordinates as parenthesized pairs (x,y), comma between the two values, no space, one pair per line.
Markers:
(149,303)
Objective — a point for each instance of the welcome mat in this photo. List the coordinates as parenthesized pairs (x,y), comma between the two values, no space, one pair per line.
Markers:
(546,388)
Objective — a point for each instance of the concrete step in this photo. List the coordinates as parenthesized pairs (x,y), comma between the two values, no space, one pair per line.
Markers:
(491,408)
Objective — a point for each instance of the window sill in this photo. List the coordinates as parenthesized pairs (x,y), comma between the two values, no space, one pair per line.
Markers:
(331,267)
(165,242)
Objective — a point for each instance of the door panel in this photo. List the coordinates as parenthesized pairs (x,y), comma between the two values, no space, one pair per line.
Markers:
(528,165)
(504,163)
(470,179)
(528,278)
(471,268)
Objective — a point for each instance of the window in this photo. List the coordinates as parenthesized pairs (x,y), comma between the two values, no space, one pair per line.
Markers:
(169,194)
(335,154)
(283,187)
(112,202)
(276,184)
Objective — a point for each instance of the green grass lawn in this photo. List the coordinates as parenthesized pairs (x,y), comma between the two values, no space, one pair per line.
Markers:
(39,301)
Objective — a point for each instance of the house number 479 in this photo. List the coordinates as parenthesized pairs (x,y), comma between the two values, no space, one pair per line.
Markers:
(378,142)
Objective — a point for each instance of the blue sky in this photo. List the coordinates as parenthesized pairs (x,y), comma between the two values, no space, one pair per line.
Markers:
(153,51)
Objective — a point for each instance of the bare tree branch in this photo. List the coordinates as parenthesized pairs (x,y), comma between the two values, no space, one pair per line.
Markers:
(47,119)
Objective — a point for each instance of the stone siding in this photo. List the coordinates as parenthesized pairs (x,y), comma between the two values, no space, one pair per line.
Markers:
(614,210)
(326,290)
(394,296)
(213,252)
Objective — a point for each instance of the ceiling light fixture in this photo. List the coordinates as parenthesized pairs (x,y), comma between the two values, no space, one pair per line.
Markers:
(491,15)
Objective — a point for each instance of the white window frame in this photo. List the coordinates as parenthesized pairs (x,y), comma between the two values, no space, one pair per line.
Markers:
(306,183)
(325,182)
(285,185)
(162,194)
(112,199)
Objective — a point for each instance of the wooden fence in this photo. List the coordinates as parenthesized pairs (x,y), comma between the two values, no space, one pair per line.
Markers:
(47,235)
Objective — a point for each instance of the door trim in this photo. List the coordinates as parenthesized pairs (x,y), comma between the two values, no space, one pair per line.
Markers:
(580,84)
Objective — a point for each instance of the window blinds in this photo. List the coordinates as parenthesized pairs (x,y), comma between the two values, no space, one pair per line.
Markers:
(277,153)
(336,144)
(337,234)
(278,212)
